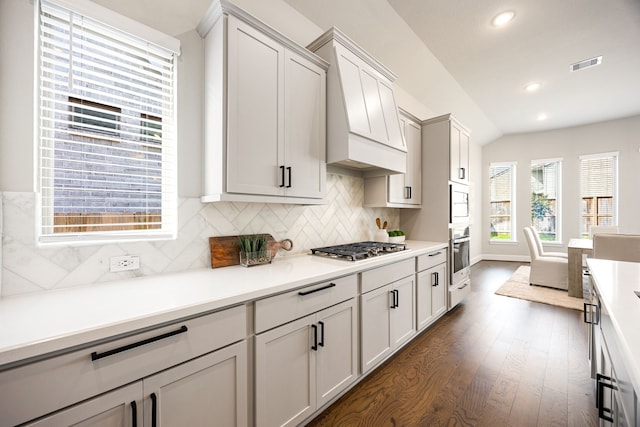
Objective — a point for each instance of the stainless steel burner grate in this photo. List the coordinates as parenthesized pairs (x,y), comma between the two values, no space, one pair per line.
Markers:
(359,250)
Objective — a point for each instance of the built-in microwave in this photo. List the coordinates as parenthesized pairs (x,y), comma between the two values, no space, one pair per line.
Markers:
(459,203)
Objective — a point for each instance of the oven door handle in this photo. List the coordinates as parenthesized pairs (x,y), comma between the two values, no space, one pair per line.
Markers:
(461,239)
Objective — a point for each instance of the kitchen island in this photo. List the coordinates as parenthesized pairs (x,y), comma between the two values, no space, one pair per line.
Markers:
(189,322)
(616,351)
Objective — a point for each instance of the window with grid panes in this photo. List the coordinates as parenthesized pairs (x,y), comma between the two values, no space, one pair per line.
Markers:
(501,186)
(545,198)
(598,191)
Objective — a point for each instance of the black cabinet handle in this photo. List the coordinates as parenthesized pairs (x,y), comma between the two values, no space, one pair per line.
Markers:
(154,410)
(462,173)
(591,319)
(436,278)
(407,192)
(321,342)
(134,414)
(282,176)
(603,412)
(314,346)
(303,293)
(395,296)
(410,192)
(289,170)
(96,355)
(435,254)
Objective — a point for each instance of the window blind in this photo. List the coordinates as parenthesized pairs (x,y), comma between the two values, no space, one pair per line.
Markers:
(501,185)
(598,190)
(107,139)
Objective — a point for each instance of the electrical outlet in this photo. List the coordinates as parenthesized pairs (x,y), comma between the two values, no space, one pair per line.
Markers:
(124,263)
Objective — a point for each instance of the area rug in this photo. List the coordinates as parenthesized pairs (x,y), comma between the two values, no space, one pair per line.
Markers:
(518,287)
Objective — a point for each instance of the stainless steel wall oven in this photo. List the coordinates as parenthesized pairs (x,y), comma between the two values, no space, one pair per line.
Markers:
(459,242)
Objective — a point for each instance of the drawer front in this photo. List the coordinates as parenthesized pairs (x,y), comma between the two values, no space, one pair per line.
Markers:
(459,292)
(277,310)
(42,387)
(432,259)
(373,279)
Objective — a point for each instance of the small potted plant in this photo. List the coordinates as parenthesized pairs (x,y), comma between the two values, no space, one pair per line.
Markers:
(396,236)
(254,250)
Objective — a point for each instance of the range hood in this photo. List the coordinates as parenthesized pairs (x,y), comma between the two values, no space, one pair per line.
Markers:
(363,126)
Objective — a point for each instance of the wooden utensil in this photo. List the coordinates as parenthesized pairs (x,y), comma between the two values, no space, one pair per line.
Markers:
(384,226)
(378,222)
(225,250)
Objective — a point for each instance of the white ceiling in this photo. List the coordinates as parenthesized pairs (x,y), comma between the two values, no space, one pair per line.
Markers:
(450,59)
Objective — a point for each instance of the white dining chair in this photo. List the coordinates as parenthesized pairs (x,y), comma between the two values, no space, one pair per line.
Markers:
(617,247)
(547,271)
(541,250)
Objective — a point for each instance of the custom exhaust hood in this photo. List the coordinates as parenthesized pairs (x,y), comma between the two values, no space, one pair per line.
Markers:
(363,127)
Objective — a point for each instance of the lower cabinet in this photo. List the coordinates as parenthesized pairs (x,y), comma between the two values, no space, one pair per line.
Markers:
(431,287)
(211,387)
(303,364)
(387,320)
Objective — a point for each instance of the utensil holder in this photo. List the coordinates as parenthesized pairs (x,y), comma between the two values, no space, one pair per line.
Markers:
(381,235)
(249,259)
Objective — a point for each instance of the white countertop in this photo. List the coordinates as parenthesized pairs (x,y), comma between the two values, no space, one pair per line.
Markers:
(36,324)
(616,283)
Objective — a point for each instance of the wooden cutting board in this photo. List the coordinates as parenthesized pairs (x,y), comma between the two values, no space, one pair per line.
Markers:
(225,250)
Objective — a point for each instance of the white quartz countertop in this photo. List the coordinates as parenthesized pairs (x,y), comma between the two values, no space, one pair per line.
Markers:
(616,283)
(33,325)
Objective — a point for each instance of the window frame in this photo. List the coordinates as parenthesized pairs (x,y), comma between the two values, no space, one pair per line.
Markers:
(513,238)
(616,188)
(557,200)
(156,224)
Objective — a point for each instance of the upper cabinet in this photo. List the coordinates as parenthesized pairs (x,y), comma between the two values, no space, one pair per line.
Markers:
(363,123)
(265,113)
(458,153)
(400,190)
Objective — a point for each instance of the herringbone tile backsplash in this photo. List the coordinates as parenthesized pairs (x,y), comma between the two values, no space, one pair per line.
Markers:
(28,268)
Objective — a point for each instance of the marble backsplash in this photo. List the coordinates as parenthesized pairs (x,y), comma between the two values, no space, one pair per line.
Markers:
(29,268)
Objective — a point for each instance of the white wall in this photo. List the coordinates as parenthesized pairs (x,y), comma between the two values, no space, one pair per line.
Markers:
(613,136)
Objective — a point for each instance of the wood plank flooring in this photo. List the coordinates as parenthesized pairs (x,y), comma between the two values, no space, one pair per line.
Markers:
(493,361)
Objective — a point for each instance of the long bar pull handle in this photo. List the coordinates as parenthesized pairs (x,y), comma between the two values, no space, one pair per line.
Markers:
(436,253)
(397,298)
(134,414)
(436,278)
(154,410)
(314,346)
(603,412)
(96,355)
(591,319)
(407,192)
(289,171)
(393,298)
(303,293)
(282,176)
(321,342)
(462,173)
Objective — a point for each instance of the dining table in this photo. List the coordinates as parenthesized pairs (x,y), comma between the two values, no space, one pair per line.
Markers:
(575,250)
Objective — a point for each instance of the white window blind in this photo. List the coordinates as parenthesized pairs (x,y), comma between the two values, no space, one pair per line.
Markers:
(598,190)
(501,187)
(107,139)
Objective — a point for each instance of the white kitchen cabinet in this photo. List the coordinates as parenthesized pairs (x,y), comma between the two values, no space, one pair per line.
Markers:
(265,113)
(184,364)
(363,124)
(459,153)
(400,190)
(431,287)
(301,365)
(387,313)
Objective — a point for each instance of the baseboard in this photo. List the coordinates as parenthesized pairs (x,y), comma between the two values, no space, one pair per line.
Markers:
(501,257)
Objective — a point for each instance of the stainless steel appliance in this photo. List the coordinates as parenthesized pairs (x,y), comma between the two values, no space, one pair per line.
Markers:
(459,252)
(459,204)
(359,250)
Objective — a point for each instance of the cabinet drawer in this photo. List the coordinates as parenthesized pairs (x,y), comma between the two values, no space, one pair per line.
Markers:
(373,279)
(459,292)
(432,259)
(283,308)
(42,387)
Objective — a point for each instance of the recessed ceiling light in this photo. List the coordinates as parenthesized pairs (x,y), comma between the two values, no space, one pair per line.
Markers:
(503,18)
(541,117)
(533,86)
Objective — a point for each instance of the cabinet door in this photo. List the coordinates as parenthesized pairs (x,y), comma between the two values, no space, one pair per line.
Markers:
(211,387)
(285,374)
(459,154)
(403,316)
(406,188)
(255,111)
(336,357)
(439,287)
(305,141)
(376,344)
(117,408)
(424,306)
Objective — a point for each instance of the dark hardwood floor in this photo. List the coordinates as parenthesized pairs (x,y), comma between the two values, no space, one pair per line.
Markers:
(492,361)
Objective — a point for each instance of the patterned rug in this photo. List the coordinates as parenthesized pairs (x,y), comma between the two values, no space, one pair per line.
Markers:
(518,287)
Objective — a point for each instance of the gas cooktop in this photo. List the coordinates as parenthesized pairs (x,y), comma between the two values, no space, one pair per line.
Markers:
(359,250)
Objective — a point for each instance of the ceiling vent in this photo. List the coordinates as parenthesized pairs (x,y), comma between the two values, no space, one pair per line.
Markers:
(585,64)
